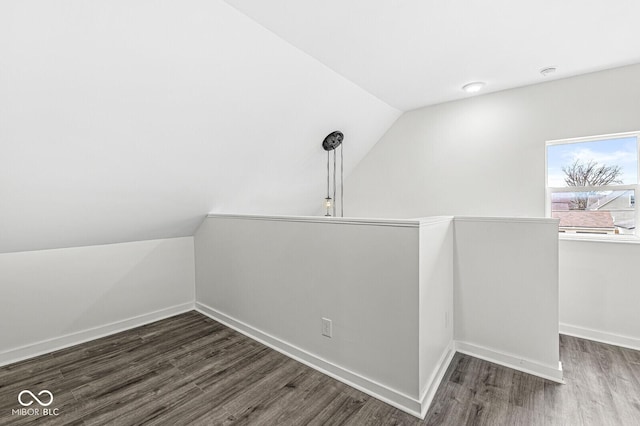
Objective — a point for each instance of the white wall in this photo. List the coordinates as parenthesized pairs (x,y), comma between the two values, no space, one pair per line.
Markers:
(398,291)
(600,291)
(436,303)
(276,279)
(484,156)
(56,298)
(506,292)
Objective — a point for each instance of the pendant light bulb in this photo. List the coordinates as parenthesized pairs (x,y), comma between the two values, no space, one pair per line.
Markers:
(328,204)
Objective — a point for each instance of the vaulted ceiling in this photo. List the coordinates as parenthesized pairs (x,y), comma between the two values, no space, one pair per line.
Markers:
(127,120)
(413,53)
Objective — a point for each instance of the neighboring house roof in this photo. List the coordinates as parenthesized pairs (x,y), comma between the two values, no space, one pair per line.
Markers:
(559,206)
(601,202)
(626,223)
(584,219)
(606,212)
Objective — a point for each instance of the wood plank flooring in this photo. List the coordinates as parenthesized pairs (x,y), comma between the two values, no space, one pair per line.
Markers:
(191,370)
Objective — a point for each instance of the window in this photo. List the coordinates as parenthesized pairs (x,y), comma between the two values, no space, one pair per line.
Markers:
(592,184)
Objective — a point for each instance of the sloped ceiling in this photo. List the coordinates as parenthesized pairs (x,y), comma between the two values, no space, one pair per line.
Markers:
(413,53)
(129,120)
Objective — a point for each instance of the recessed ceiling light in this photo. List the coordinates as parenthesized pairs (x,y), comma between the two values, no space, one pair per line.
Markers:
(474,87)
(547,71)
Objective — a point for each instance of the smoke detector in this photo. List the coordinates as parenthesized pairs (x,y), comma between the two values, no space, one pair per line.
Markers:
(547,71)
(474,87)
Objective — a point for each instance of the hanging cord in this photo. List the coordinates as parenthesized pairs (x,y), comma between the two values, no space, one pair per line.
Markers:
(334,182)
(328,194)
(341,181)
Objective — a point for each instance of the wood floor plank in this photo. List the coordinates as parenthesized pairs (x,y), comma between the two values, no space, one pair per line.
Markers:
(374,413)
(344,407)
(278,400)
(191,370)
(226,380)
(268,394)
(195,412)
(320,392)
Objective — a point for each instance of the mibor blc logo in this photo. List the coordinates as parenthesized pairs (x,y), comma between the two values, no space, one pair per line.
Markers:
(26,398)
(33,397)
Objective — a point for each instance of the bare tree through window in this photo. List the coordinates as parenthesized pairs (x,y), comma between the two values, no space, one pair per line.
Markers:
(589,174)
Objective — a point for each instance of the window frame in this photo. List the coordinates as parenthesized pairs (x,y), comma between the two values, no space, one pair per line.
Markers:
(628,238)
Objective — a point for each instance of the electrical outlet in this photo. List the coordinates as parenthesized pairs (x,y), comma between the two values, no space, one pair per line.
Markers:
(327,328)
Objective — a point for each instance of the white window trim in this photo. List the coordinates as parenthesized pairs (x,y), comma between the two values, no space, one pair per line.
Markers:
(592,188)
(632,239)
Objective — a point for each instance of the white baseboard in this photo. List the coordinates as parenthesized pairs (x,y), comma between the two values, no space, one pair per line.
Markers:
(391,396)
(512,361)
(600,336)
(45,346)
(436,378)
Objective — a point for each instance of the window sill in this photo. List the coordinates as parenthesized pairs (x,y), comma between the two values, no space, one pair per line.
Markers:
(620,239)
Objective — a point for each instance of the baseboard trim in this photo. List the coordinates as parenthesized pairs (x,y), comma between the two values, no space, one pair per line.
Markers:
(50,345)
(511,361)
(379,391)
(600,336)
(436,378)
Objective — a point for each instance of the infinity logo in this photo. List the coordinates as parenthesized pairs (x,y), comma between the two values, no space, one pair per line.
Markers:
(26,404)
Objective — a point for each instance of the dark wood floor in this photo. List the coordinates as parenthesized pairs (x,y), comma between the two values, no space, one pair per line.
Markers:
(191,370)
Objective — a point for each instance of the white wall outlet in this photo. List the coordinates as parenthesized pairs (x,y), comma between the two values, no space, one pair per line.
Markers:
(327,328)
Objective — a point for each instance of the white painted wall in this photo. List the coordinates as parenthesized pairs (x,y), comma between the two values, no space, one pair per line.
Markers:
(600,291)
(112,110)
(436,304)
(398,292)
(276,279)
(484,156)
(56,298)
(506,292)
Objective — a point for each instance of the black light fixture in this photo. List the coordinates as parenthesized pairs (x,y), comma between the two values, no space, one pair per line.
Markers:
(330,143)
